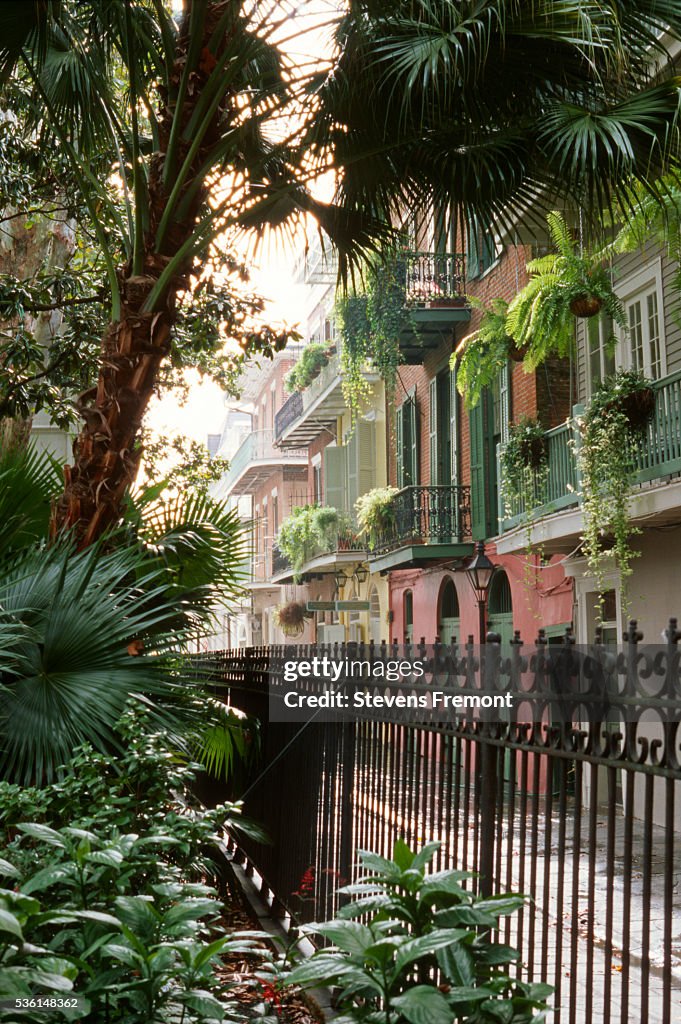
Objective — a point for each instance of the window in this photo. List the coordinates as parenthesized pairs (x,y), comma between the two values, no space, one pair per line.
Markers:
(482,250)
(407,442)
(275,513)
(317,479)
(644,334)
(408,617)
(601,355)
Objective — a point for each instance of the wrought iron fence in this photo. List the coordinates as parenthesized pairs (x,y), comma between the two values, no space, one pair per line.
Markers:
(426,515)
(435,277)
(583,818)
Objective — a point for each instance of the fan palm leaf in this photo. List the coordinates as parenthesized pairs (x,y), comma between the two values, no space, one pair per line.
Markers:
(67,666)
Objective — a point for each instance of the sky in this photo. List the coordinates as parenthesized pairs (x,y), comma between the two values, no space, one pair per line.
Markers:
(307,39)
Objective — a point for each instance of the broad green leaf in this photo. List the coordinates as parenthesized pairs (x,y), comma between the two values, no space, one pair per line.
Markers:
(414,949)
(423,1004)
(347,935)
(10,925)
(402,855)
(43,833)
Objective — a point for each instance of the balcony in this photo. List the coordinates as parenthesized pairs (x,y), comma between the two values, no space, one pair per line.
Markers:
(435,296)
(657,459)
(343,548)
(430,523)
(308,412)
(255,460)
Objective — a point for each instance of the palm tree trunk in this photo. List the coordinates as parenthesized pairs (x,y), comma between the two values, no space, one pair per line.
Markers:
(107,451)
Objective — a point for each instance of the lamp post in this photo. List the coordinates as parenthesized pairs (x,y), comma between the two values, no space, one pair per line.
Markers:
(479,572)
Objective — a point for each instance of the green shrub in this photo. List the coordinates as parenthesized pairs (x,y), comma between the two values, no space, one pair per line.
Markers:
(414,948)
(103,891)
(313,358)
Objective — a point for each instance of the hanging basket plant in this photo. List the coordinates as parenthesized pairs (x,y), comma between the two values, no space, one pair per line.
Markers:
(292,617)
(610,437)
(524,465)
(572,282)
(309,531)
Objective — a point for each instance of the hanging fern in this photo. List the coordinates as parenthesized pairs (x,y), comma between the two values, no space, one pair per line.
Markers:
(542,315)
(483,353)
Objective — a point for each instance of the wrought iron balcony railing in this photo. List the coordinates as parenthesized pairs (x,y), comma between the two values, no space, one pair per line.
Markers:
(427,515)
(656,454)
(291,410)
(435,278)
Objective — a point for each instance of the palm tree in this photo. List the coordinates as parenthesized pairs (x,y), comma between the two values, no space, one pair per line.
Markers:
(84,633)
(501,110)
(171,110)
(494,107)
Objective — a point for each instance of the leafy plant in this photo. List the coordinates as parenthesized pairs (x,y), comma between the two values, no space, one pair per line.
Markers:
(610,434)
(562,285)
(413,947)
(108,899)
(291,617)
(376,513)
(524,466)
(371,320)
(313,358)
(308,531)
(483,353)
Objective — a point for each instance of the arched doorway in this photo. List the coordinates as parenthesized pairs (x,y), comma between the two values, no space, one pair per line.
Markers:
(500,607)
(448,613)
(375,616)
(408,617)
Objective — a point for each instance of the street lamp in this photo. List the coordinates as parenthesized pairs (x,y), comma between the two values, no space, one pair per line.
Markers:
(341,579)
(479,572)
(361,574)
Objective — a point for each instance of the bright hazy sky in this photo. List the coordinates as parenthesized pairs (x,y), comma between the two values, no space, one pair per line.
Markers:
(308,39)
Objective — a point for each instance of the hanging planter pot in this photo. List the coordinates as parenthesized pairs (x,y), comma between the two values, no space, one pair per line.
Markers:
(638,406)
(517,352)
(533,451)
(291,618)
(585,306)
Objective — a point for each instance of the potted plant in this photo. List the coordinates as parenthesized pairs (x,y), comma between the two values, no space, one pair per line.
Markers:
(291,617)
(308,531)
(610,435)
(563,285)
(313,359)
(484,352)
(376,513)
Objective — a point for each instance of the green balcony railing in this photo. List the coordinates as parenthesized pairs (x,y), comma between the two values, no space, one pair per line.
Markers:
(656,454)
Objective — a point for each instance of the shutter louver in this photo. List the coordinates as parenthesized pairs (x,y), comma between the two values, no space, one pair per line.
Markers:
(432,436)
(400,446)
(477,442)
(334,478)
(414,438)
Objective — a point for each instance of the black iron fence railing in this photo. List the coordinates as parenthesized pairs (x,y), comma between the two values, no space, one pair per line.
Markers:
(580,815)
(280,562)
(426,515)
(435,277)
(290,411)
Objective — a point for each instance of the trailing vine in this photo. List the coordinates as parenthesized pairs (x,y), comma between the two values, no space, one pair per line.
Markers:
(308,531)
(611,432)
(524,476)
(371,321)
(376,513)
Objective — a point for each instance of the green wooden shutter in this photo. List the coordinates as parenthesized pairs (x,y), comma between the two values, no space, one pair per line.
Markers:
(400,446)
(334,477)
(478,503)
(504,401)
(432,436)
(366,456)
(414,441)
(454,426)
(351,469)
